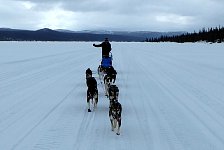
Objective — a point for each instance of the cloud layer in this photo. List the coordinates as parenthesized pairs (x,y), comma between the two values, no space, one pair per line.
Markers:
(151,15)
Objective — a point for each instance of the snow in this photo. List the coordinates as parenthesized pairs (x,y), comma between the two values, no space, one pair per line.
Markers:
(172,97)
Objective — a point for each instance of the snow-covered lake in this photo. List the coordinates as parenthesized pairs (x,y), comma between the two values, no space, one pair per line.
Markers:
(172,97)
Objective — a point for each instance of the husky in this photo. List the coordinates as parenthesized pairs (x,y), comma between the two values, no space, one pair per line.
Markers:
(109,79)
(92,92)
(107,83)
(112,73)
(88,73)
(115,111)
(113,93)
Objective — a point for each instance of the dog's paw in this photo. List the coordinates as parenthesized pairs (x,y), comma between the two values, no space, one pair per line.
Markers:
(118,133)
(89,110)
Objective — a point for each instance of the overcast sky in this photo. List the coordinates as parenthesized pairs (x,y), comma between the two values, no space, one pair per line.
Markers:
(129,15)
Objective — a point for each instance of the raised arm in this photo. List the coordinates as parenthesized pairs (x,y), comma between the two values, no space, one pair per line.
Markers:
(97,45)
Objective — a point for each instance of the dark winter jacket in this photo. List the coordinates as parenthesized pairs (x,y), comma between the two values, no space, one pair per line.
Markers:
(106,48)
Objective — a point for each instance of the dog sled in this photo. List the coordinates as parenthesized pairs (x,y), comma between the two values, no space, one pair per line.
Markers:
(106,62)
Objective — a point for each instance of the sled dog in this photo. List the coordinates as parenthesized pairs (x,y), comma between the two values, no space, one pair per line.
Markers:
(107,83)
(88,73)
(113,93)
(115,116)
(112,73)
(92,92)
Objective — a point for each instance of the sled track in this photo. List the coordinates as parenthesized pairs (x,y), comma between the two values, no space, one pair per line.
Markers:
(172,117)
(44,118)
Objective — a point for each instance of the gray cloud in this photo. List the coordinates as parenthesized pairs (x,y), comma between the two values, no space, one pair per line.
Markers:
(155,15)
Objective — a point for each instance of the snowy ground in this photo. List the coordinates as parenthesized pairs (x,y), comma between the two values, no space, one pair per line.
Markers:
(172,97)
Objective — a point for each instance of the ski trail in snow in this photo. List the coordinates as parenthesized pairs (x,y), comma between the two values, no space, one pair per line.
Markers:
(178,129)
(84,130)
(44,117)
(27,99)
(18,115)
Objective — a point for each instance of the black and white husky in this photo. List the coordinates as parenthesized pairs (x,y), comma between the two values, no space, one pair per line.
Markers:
(92,95)
(111,74)
(107,83)
(88,73)
(113,92)
(92,92)
(115,110)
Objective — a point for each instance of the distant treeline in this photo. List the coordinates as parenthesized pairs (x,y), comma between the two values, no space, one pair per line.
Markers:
(214,35)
